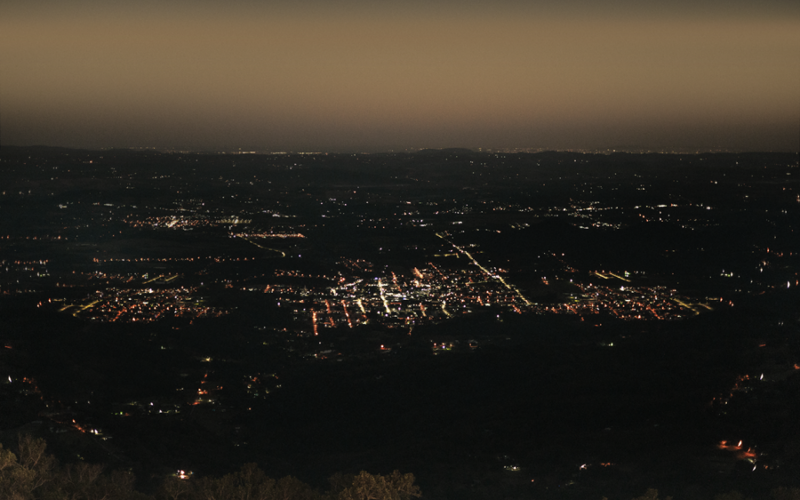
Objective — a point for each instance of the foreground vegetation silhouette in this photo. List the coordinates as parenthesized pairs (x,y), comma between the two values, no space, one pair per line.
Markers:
(34,474)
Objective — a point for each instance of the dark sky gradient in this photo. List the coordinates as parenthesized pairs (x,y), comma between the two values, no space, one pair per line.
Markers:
(366,76)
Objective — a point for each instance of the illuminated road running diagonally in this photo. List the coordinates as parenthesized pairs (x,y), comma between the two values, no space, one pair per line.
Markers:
(687,306)
(347,314)
(383,297)
(314,321)
(283,254)
(444,309)
(495,276)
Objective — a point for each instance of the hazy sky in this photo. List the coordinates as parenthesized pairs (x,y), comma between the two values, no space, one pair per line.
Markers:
(379,75)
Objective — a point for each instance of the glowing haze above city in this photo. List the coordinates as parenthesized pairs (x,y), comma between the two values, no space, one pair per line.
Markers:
(379,76)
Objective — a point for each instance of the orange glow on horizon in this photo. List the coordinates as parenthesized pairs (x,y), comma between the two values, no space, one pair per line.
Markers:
(290,76)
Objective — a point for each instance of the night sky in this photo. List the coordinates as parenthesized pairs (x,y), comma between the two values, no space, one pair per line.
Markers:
(378,75)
